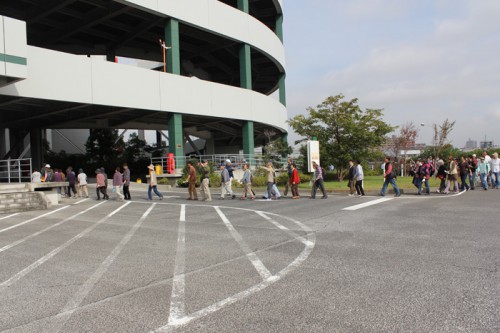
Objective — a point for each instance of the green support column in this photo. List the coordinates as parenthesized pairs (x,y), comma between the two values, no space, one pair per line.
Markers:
(172,40)
(176,139)
(243,6)
(245,67)
(248,141)
(282,89)
(279,27)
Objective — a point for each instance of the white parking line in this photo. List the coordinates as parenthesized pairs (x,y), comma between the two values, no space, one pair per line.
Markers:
(6,217)
(73,304)
(368,204)
(6,247)
(177,304)
(33,219)
(254,259)
(54,252)
(282,227)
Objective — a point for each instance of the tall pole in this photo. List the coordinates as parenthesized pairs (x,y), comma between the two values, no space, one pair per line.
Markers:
(164,52)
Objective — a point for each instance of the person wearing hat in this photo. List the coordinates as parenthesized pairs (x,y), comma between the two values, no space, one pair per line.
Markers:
(205,180)
(483,169)
(48,174)
(153,183)
(100,185)
(82,184)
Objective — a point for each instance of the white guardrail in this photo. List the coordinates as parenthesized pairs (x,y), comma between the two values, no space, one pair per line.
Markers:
(15,170)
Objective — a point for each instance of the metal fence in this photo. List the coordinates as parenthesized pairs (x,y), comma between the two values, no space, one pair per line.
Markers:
(237,160)
(15,170)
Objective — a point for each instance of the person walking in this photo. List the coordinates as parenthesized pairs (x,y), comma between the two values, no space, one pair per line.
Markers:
(289,173)
(270,179)
(452,176)
(71,181)
(464,173)
(153,183)
(82,184)
(318,181)
(359,177)
(350,178)
(473,171)
(427,170)
(229,184)
(126,182)
(36,176)
(225,187)
(389,178)
(441,174)
(294,182)
(205,181)
(247,182)
(483,169)
(100,186)
(117,184)
(58,177)
(191,180)
(495,171)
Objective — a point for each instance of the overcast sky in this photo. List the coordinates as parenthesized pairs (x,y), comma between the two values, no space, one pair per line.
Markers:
(419,60)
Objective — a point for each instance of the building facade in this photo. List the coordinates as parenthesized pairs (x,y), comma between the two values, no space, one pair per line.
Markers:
(223,78)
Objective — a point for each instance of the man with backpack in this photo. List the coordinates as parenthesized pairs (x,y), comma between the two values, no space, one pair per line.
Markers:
(389,176)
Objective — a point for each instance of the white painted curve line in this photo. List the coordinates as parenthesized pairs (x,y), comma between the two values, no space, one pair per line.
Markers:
(177,304)
(73,304)
(368,204)
(80,201)
(33,219)
(6,247)
(311,241)
(54,252)
(254,259)
(278,225)
(6,217)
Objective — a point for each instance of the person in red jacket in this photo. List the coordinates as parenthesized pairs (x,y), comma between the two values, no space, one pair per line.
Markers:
(294,182)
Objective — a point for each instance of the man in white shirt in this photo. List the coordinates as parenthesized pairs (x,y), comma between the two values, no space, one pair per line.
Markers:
(36,176)
(82,184)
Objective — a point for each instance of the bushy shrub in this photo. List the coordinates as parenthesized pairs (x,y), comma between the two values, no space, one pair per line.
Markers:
(282,179)
(215,180)
(305,178)
(259,181)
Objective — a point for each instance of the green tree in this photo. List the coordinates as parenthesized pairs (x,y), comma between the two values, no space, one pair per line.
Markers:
(343,129)
(104,146)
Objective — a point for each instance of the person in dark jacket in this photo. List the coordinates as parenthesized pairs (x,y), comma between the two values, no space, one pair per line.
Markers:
(350,177)
(389,178)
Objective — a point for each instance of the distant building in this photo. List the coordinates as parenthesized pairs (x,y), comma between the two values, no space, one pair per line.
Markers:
(470,144)
(486,144)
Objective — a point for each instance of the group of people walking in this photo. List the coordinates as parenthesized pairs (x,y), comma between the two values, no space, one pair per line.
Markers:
(77,183)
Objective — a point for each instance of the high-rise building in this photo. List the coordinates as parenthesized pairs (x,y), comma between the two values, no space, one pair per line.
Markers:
(220,64)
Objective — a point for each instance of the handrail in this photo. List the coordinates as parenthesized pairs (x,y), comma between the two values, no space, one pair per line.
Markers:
(16,170)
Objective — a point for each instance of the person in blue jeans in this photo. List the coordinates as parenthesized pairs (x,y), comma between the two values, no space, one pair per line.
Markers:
(153,183)
(389,178)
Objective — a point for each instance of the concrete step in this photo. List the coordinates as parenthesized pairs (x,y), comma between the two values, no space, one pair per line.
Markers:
(14,188)
(24,201)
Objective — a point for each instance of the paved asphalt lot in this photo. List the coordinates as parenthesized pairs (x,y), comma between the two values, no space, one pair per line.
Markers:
(408,264)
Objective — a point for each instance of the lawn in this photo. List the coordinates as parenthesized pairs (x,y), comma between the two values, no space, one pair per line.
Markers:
(375,183)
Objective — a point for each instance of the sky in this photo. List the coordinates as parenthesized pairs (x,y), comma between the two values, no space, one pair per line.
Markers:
(422,61)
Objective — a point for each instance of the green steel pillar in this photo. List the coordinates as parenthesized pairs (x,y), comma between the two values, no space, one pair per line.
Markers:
(172,40)
(243,6)
(282,89)
(248,141)
(279,27)
(176,139)
(245,67)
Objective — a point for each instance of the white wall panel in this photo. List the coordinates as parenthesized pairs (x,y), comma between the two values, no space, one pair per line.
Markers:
(219,18)
(15,45)
(185,95)
(2,47)
(123,85)
(54,75)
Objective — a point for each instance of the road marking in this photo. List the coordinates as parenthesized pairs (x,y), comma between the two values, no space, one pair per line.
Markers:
(183,213)
(254,259)
(33,219)
(282,227)
(73,304)
(368,204)
(6,217)
(309,246)
(80,201)
(54,252)
(6,247)
(177,297)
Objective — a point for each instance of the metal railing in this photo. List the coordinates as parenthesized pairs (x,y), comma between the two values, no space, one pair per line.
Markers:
(237,160)
(15,170)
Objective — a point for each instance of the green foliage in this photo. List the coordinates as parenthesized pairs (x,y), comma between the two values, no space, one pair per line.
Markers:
(259,181)
(305,178)
(104,146)
(276,150)
(344,130)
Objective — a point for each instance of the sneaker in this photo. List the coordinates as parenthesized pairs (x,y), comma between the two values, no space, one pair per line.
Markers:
(243,198)
(398,195)
(234,196)
(252,198)
(324,197)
